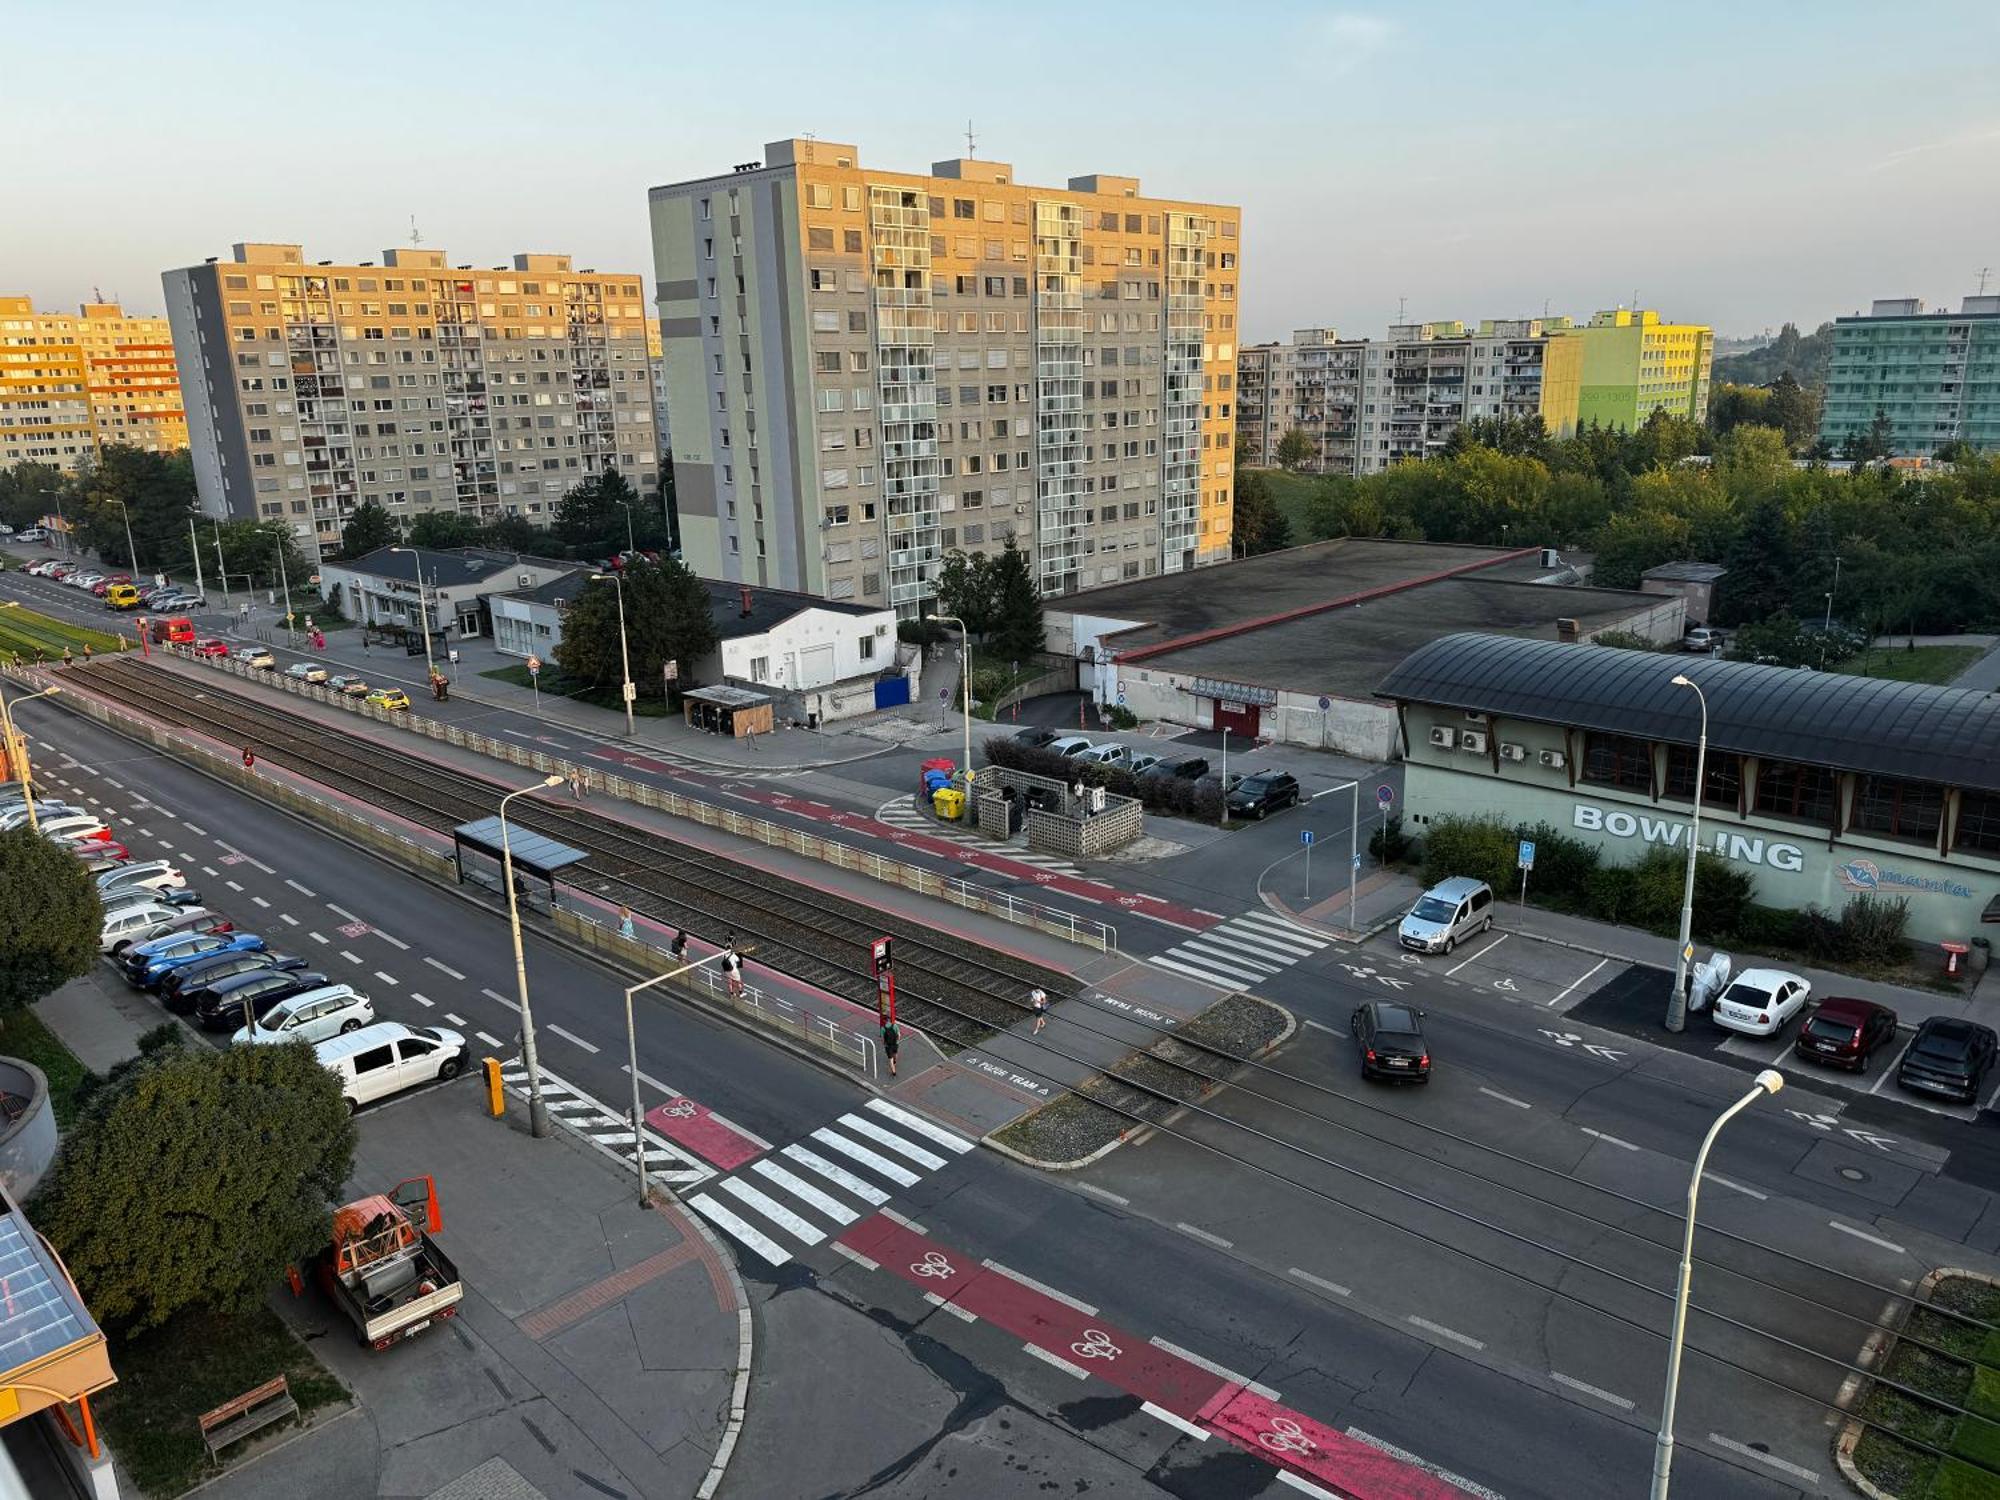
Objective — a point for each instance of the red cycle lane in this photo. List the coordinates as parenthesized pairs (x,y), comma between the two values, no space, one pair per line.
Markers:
(1199,1397)
(719,1142)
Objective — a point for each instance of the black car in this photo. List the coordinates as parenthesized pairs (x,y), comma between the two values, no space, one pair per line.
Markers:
(219,1006)
(177,986)
(1176,767)
(1264,793)
(1949,1057)
(1391,1038)
(1035,736)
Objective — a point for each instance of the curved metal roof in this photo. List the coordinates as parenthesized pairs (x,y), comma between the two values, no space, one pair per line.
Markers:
(1865,724)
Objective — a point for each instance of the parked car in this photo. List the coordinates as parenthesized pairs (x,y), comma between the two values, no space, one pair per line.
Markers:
(1069,744)
(1108,754)
(221,1004)
(178,988)
(312,1016)
(1266,792)
(1701,638)
(135,923)
(1842,1033)
(209,645)
(1447,914)
(145,962)
(72,825)
(1391,1038)
(31,534)
(306,671)
(1949,1057)
(1036,736)
(388,698)
(1215,781)
(346,682)
(1761,1002)
(86,847)
(156,874)
(97,858)
(388,1057)
(260,657)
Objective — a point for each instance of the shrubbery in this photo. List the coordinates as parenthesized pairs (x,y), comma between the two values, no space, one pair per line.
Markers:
(1164,794)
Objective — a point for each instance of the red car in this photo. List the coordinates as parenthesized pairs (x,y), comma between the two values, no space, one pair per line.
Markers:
(211,647)
(1841,1033)
(102,586)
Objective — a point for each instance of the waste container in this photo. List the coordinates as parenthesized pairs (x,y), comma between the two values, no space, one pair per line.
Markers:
(949,802)
(1980,956)
(934,781)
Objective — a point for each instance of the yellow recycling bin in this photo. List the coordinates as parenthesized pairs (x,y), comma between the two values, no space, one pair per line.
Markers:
(949,802)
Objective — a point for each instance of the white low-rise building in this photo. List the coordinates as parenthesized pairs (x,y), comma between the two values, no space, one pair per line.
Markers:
(454,586)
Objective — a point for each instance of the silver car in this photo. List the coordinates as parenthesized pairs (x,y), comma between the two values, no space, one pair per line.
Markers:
(1446,914)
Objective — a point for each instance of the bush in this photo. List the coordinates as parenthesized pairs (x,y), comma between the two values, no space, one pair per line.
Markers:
(1121,717)
(1476,847)
(1770,927)
(1626,640)
(1872,929)
(1565,867)
(919,632)
(1388,843)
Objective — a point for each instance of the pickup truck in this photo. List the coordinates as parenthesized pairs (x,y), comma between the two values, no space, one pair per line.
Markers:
(384,1271)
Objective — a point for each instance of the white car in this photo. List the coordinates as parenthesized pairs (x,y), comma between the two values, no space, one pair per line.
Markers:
(388,1057)
(1106,755)
(259,657)
(1760,1002)
(154,874)
(312,1017)
(1074,744)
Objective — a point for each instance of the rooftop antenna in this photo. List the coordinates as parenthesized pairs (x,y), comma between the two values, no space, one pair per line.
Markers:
(811,140)
(416,235)
(1984,272)
(97,292)
(971,140)
(1402,309)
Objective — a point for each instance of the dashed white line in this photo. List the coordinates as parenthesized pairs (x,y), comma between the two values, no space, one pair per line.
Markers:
(1322,1026)
(1796,1470)
(387,978)
(288,919)
(233,885)
(1105,1193)
(1623,1403)
(455,1020)
(856,1256)
(341,911)
(353,958)
(1720,1181)
(119,784)
(260,901)
(316,937)
(1203,1234)
(442,968)
(200,833)
(1043,1287)
(1861,1234)
(572,1037)
(1304,1486)
(208,870)
(1319,1281)
(496,995)
(1173,1421)
(1609,1140)
(303,891)
(1445,1333)
(1215,1369)
(394,941)
(488,1038)
(1505,1098)
(1061,1364)
(423,1000)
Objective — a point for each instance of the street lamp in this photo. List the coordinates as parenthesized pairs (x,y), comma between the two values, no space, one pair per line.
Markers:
(284,578)
(1768,1082)
(1677,1002)
(632,1062)
(538,1113)
(430,666)
(965,682)
(1353,848)
(131,552)
(17,749)
(624,651)
(630,545)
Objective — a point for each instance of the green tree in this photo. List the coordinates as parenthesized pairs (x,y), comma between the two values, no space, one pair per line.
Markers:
(443,529)
(1809,356)
(1873,445)
(1731,406)
(251,549)
(1763,565)
(155,491)
(195,1178)
(965,588)
(1017,606)
(1777,640)
(28,492)
(511,534)
(1258,525)
(1519,437)
(1794,411)
(1634,541)
(367,527)
(50,918)
(668,617)
(591,515)
(1295,449)
(1753,464)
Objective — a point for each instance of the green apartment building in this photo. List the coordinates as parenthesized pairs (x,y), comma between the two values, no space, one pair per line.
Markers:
(1935,375)
(1634,365)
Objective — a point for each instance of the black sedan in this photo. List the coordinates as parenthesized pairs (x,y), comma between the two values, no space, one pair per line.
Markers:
(1949,1057)
(1391,1038)
(219,1006)
(1035,736)
(178,986)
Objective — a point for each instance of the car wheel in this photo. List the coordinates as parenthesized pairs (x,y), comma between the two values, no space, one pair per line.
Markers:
(448,1069)
(349,1025)
(353,1107)
(1449,944)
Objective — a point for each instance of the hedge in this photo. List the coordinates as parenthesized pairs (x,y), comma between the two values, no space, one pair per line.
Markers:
(1163,794)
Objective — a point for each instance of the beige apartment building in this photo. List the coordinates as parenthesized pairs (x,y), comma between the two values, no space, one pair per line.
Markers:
(70,386)
(869,369)
(415,383)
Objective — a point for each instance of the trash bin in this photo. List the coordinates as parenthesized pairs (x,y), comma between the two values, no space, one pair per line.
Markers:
(934,781)
(949,802)
(1980,956)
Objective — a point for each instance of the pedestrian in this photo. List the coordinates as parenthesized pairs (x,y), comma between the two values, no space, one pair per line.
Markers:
(625,922)
(892,1041)
(732,967)
(249,759)
(86,650)
(66,656)
(576,786)
(1039,999)
(679,951)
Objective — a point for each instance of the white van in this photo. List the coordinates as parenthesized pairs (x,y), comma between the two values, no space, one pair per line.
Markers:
(388,1057)
(315,1016)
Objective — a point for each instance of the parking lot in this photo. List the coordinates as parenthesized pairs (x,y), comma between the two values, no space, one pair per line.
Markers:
(1879,1079)
(1509,965)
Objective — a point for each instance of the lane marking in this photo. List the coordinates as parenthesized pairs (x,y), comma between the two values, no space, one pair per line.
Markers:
(387,978)
(1040,1286)
(798,1187)
(923,1127)
(301,889)
(197,832)
(1198,1434)
(1471,1487)
(908,1223)
(442,968)
(1305,1486)
(1795,1470)
(455,1020)
(488,1038)
(574,1039)
(288,919)
(867,1192)
(801,1230)
(208,870)
(1203,1234)
(1720,1181)
(1322,1026)
(396,941)
(353,958)
(951,1307)
(1861,1234)
(492,994)
(1105,1193)
(423,1000)
(341,911)
(233,886)
(316,937)
(1472,958)
(260,901)
(755,1239)
(1445,1333)
(1215,1369)
(1505,1098)
(856,1256)
(1577,981)
(1609,1140)
(930,1161)
(1320,1281)
(1060,1363)
(1623,1403)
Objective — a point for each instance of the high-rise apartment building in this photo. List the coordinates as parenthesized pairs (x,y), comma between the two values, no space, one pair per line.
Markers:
(867,369)
(69,386)
(1635,365)
(1935,375)
(418,384)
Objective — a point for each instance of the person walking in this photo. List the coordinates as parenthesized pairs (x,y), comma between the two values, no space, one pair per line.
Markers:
(86,650)
(625,929)
(892,1042)
(249,759)
(66,656)
(679,951)
(1039,999)
(732,968)
(576,785)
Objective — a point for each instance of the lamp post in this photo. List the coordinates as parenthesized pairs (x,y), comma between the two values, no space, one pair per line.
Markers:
(964,681)
(624,651)
(1353,845)
(131,552)
(1677,1002)
(630,545)
(1826,625)
(221,565)
(430,666)
(632,1062)
(284,578)
(1768,1082)
(1225,778)
(17,749)
(538,1113)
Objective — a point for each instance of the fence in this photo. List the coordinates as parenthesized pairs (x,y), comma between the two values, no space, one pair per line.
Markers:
(1014,910)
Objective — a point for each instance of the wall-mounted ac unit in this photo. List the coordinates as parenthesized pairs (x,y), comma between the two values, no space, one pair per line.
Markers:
(1474,718)
(1472,740)
(1441,736)
(1511,751)
(1555,760)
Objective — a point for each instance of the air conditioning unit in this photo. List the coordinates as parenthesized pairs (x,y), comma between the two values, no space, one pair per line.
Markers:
(1555,760)
(1441,736)
(1474,718)
(1472,740)
(1511,751)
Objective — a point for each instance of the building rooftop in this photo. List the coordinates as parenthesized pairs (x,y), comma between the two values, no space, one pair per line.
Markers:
(1904,730)
(443,567)
(740,609)
(1686,572)
(560,592)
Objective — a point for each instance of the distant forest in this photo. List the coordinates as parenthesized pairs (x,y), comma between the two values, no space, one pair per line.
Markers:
(1805,355)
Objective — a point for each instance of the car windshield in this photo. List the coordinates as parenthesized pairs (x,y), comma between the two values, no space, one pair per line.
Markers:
(1253,785)
(1830,1029)
(1430,909)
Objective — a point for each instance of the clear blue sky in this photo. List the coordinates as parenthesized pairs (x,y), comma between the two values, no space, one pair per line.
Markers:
(1738,164)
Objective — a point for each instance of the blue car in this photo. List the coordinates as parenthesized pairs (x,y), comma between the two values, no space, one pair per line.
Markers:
(147,963)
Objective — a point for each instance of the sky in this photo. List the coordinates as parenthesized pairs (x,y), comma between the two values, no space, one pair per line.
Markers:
(1733,164)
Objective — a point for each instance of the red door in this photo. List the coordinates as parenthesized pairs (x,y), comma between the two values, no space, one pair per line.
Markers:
(1237,718)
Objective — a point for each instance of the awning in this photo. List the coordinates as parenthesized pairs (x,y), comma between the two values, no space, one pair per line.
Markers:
(530,851)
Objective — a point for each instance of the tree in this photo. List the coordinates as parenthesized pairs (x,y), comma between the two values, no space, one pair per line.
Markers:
(1017,606)
(965,588)
(1794,411)
(1518,437)
(1730,406)
(50,918)
(1295,449)
(367,527)
(442,529)
(195,1178)
(28,492)
(591,515)
(668,617)
(1763,566)
(1258,525)
(511,534)
(1809,355)
(155,492)
(1873,445)
(1634,541)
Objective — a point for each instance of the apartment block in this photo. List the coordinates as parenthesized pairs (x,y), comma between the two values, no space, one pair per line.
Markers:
(69,386)
(868,369)
(1635,365)
(425,386)
(1935,375)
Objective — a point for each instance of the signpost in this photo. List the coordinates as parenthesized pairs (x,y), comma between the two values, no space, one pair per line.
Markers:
(1306,838)
(1385,798)
(535,680)
(1325,703)
(1526,859)
(885,982)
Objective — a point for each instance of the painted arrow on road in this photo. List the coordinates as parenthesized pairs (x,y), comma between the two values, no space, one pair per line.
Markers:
(1607,1053)
(1879,1142)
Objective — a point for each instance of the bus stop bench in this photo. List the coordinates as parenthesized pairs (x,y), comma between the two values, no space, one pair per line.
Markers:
(250,1412)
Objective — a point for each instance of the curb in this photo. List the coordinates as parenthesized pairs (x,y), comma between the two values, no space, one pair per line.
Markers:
(739,1399)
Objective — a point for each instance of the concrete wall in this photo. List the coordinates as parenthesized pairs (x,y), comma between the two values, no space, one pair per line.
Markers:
(28,1144)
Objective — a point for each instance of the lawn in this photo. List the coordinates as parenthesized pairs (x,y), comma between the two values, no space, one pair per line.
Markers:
(555,685)
(26,632)
(167,1378)
(23,1035)
(1936,664)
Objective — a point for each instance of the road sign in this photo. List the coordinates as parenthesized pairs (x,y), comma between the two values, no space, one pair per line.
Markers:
(882,950)
(672,669)
(1385,796)
(1306,837)
(631,691)
(1526,857)
(1325,703)
(1357,861)
(1687,953)
(1121,695)
(534,666)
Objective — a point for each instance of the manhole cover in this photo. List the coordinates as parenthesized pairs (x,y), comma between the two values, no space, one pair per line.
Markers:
(1853,1174)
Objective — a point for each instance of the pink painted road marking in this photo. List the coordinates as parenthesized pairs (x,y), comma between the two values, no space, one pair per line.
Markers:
(1314,1451)
(692,1125)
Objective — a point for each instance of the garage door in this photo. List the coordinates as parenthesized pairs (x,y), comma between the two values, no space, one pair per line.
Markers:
(1237,718)
(816,666)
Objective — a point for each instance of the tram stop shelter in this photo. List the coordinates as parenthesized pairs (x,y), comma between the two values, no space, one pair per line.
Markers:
(476,849)
(737,712)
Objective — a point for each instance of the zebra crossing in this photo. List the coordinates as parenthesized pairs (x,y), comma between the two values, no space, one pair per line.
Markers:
(1243,951)
(898,812)
(607,1129)
(800,1195)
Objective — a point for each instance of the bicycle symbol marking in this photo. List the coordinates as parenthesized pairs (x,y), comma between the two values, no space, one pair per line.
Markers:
(933,1264)
(1095,1344)
(1286,1436)
(680,1109)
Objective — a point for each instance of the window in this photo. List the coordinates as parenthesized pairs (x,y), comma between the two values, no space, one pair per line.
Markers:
(760,668)
(867,647)
(1978,823)
(819,239)
(1898,809)
(962,208)
(1724,776)
(1615,760)
(1789,790)
(850,241)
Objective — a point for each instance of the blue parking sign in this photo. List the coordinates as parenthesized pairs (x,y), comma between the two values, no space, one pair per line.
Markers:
(1527,857)
(1306,836)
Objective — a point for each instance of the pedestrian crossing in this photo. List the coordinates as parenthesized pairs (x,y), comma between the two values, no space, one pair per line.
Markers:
(900,812)
(607,1129)
(798,1196)
(1241,952)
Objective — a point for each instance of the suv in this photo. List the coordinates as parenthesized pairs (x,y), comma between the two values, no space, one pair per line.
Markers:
(311,1017)
(1446,914)
(1949,1057)
(1391,1038)
(1263,794)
